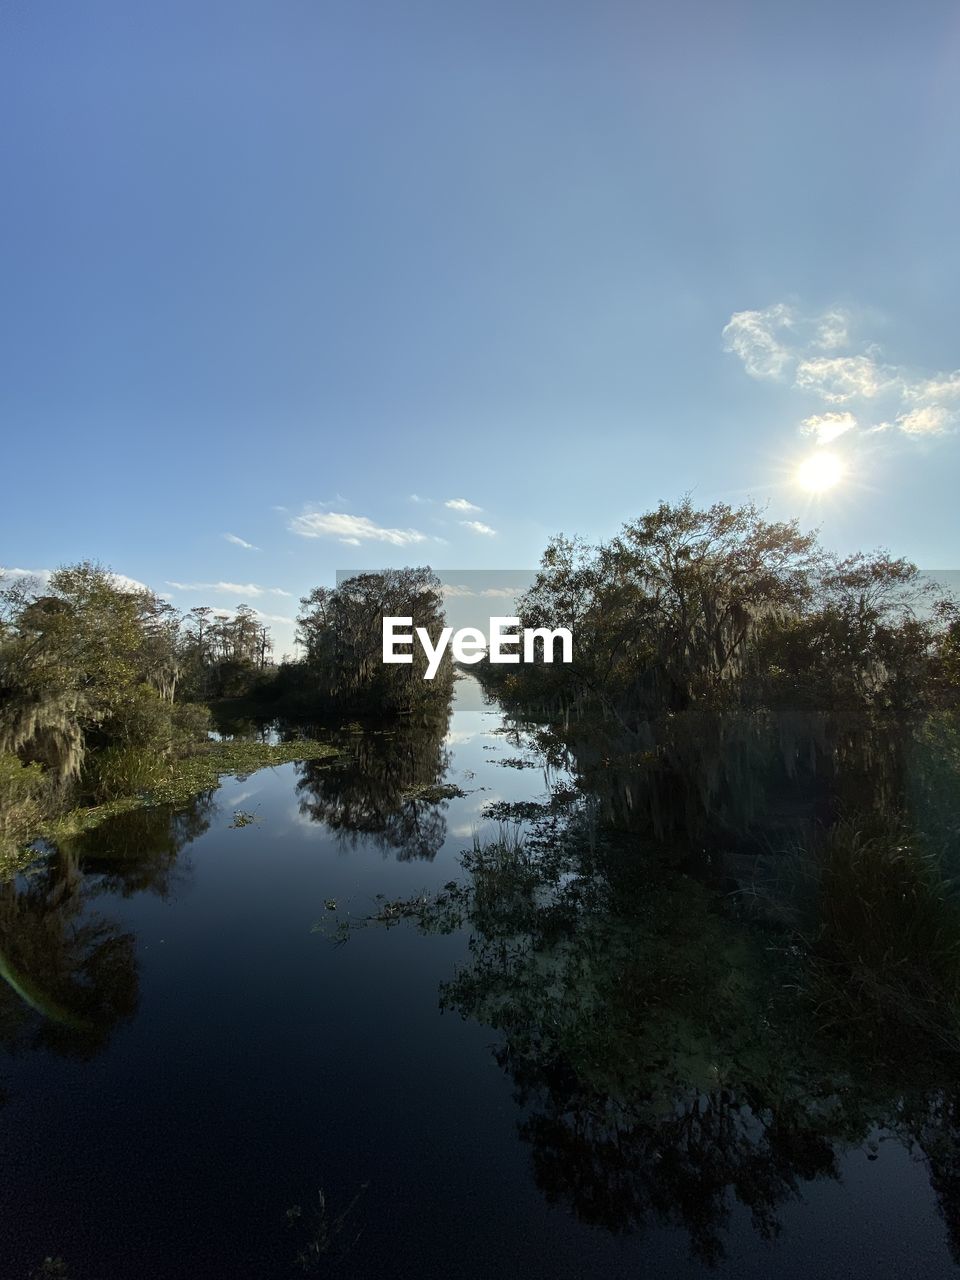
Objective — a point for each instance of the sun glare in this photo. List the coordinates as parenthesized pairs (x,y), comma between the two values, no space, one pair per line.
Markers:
(819,472)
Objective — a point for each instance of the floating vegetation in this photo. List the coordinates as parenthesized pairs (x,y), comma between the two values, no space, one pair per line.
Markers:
(325,1231)
(435,792)
(188,777)
(440,912)
(243,818)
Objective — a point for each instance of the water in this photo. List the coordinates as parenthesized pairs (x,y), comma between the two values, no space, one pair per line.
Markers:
(187,1064)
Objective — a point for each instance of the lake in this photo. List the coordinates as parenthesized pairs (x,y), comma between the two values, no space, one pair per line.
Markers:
(197,1082)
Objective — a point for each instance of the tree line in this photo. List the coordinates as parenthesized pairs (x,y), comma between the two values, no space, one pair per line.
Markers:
(729,660)
(97,680)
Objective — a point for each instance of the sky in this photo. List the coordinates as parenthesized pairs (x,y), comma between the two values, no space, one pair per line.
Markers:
(290,287)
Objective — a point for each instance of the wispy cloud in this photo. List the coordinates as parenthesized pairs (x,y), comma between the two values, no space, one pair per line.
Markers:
(782,344)
(351,530)
(826,427)
(479,527)
(839,379)
(230,588)
(756,337)
(927,420)
(240,542)
(832,330)
(257,613)
(942,386)
(461,504)
(494,593)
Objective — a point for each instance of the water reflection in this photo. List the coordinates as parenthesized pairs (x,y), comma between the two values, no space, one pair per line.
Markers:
(716,789)
(663,1070)
(663,1074)
(385,789)
(69,974)
(139,851)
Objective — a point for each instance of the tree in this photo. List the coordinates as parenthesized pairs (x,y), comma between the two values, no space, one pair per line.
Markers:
(664,615)
(89,663)
(341,630)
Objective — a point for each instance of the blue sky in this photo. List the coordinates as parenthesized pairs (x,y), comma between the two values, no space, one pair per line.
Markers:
(271,269)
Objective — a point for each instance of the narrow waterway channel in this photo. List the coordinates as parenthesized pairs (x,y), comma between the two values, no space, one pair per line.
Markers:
(195,1082)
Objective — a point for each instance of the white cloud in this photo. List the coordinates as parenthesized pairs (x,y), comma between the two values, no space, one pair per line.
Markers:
(493,593)
(257,613)
(754,337)
(415,497)
(351,530)
(240,542)
(123,583)
(832,330)
(229,588)
(942,386)
(461,504)
(838,379)
(274,617)
(119,580)
(928,420)
(42,575)
(828,426)
(479,527)
(772,342)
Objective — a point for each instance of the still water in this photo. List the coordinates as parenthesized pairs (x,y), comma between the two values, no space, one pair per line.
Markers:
(194,1082)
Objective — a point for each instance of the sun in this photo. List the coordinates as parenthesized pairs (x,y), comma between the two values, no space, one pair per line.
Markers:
(819,472)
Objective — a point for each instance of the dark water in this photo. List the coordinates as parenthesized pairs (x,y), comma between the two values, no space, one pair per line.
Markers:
(186,1064)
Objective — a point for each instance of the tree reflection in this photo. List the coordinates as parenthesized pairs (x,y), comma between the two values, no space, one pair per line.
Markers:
(70,974)
(683,1170)
(663,1069)
(139,851)
(385,787)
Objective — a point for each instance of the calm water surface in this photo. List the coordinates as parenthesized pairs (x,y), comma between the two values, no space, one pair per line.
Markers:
(186,1065)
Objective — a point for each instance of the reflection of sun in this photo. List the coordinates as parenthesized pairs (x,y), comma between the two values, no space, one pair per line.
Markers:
(819,472)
